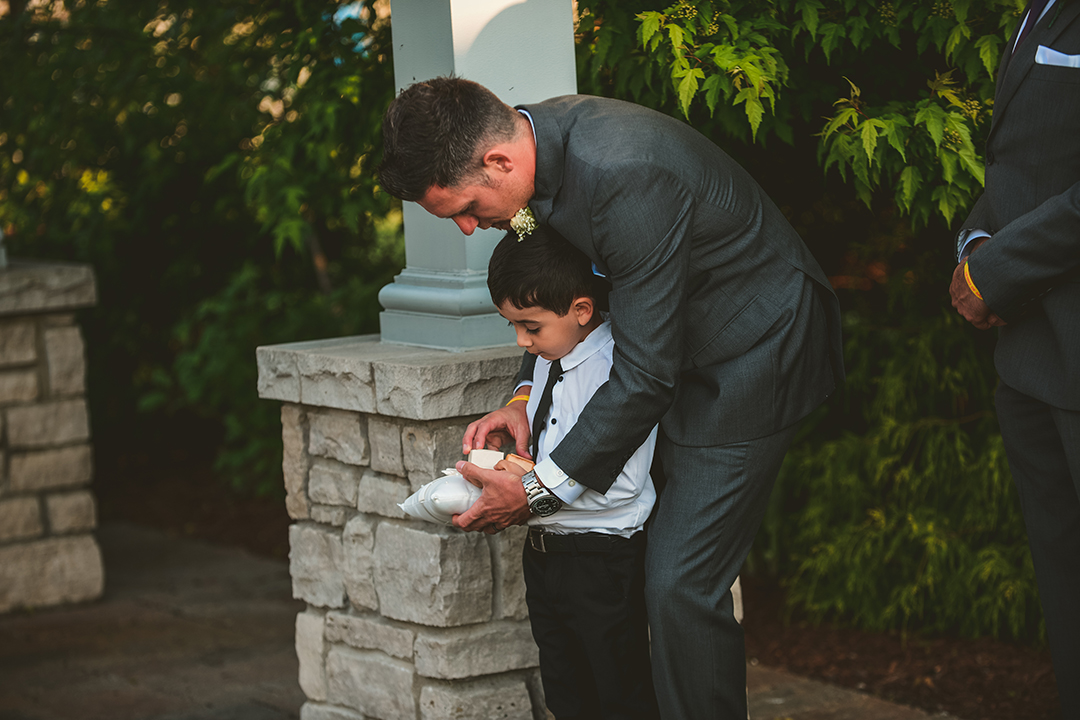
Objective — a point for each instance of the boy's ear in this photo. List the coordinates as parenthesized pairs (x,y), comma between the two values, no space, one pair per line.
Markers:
(583,309)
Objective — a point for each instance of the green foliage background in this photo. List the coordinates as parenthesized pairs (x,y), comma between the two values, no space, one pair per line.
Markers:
(213,162)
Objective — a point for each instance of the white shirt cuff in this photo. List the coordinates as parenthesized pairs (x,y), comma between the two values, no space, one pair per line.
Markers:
(559,483)
(972,236)
(526,384)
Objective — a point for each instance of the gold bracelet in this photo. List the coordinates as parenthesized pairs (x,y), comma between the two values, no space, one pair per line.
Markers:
(967,276)
(516,398)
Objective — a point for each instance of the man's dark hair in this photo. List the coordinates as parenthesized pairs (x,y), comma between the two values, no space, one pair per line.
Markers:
(436,132)
(543,270)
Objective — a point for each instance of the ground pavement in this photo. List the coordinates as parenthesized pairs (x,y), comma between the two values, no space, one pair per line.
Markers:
(192,631)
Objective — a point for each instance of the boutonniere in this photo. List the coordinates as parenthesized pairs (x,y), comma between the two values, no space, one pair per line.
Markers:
(523,222)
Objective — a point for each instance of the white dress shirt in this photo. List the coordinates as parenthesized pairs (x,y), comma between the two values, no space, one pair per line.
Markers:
(629,500)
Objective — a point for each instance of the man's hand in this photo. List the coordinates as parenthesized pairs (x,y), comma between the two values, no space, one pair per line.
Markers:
(974,310)
(498,428)
(502,502)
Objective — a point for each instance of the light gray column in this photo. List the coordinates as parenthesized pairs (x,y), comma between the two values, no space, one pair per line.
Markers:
(523,52)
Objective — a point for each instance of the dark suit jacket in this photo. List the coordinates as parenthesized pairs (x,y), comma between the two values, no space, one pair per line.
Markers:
(725,327)
(1028,271)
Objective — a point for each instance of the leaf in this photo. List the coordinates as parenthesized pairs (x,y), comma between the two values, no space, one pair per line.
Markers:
(688,87)
(868,131)
(713,87)
(650,25)
(809,9)
(989,53)
(910,181)
(841,118)
(959,33)
(895,133)
(934,118)
(675,35)
(832,34)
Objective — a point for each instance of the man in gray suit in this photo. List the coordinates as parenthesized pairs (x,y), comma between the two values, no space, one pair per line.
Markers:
(726,334)
(1019,256)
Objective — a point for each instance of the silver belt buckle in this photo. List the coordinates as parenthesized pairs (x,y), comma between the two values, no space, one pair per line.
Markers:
(536,540)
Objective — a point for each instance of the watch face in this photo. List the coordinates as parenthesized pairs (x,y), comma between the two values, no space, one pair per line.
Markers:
(546,506)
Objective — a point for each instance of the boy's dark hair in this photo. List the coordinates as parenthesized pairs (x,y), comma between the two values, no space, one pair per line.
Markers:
(436,132)
(543,270)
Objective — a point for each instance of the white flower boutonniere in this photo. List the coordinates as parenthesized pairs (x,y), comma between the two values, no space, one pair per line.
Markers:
(523,222)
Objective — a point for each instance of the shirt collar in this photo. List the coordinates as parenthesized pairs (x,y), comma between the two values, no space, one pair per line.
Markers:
(593,343)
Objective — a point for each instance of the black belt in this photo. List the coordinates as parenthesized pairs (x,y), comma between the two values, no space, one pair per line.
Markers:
(548,542)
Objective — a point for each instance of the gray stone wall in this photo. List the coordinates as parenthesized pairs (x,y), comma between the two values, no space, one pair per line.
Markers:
(404,619)
(48,554)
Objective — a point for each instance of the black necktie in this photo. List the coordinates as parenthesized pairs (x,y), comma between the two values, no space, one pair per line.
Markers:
(542,409)
(1034,12)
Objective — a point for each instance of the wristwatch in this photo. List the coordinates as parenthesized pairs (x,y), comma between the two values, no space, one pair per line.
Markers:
(542,502)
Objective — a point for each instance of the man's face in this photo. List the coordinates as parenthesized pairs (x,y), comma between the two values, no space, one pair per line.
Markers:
(477,204)
(542,332)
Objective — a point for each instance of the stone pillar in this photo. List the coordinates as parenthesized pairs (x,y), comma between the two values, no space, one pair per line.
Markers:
(404,619)
(48,554)
(524,53)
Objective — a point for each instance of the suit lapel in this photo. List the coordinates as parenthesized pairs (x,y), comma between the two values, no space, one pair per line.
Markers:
(549,160)
(1017,66)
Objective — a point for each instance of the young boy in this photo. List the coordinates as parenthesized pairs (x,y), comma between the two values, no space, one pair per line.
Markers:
(584,564)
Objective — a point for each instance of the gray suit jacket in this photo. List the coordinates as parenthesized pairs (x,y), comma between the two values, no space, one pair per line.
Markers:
(1029,270)
(725,327)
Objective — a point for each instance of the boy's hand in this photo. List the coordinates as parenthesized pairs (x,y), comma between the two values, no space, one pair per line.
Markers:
(502,502)
(497,429)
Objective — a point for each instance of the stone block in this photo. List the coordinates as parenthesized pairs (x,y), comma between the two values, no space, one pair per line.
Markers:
(330,515)
(35,286)
(311,652)
(509,579)
(337,434)
(505,698)
(294,462)
(358,540)
(18,386)
(370,633)
(437,576)
(440,384)
(71,512)
(384,434)
(314,711)
(380,494)
(50,571)
(18,342)
(20,518)
(44,424)
(337,374)
(65,359)
(49,469)
(370,683)
(486,649)
(430,448)
(315,562)
(278,376)
(333,483)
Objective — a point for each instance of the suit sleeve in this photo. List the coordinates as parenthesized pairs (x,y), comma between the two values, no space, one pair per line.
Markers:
(642,218)
(1030,256)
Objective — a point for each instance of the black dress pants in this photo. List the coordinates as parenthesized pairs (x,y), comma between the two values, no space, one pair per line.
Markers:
(1043,446)
(587,609)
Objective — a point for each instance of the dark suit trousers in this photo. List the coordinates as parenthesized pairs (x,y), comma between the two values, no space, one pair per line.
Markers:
(704,522)
(587,612)
(1043,445)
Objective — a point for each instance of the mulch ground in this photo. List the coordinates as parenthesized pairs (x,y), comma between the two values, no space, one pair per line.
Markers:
(970,679)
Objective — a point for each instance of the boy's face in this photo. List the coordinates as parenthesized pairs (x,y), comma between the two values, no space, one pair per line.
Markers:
(543,333)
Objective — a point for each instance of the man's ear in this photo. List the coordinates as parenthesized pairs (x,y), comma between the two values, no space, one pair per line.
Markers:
(583,309)
(499,159)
